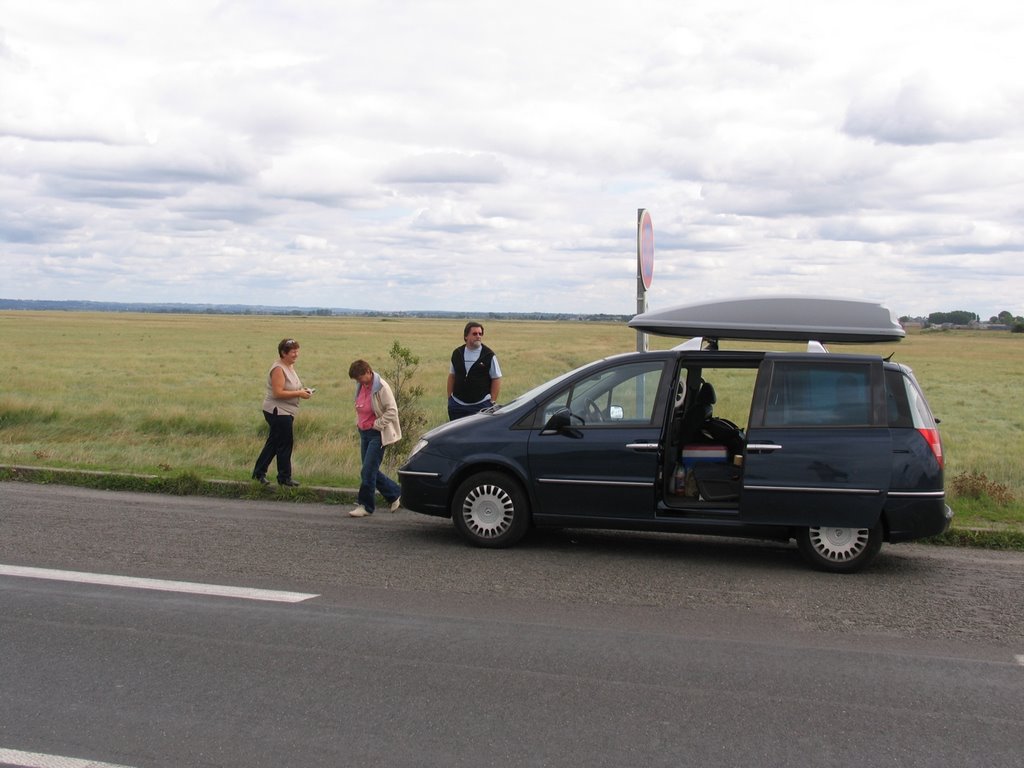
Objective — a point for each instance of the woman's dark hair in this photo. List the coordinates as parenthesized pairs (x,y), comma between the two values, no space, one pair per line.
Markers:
(358,368)
(286,346)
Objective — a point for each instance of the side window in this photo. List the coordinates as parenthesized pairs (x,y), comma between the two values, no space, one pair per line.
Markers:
(557,403)
(816,394)
(625,394)
(907,407)
(896,402)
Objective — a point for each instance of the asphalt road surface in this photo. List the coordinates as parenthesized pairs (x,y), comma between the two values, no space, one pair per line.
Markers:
(402,646)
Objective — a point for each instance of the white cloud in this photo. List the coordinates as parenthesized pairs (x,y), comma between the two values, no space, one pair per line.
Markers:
(490,156)
(919,112)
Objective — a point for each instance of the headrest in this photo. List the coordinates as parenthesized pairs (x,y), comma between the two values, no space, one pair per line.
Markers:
(706,395)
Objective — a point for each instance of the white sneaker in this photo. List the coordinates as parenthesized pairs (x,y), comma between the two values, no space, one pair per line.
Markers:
(359,511)
(396,504)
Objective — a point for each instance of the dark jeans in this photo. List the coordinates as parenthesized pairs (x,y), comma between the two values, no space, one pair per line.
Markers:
(279,445)
(457,410)
(371,479)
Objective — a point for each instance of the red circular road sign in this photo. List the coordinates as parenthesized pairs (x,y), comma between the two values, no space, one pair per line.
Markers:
(645,248)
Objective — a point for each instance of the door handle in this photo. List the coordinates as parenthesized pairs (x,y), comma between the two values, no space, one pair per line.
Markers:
(762,447)
(643,446)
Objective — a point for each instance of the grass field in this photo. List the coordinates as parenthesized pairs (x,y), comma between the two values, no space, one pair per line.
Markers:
(165,394)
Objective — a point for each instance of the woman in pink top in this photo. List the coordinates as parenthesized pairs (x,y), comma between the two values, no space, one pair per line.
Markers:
(377,421)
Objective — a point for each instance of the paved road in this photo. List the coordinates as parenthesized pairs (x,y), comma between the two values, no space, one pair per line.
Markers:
(577,648)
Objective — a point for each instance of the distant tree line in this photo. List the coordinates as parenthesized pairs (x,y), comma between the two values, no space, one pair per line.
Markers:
(1006,318)
(962,317)
(958,317)
(246,309)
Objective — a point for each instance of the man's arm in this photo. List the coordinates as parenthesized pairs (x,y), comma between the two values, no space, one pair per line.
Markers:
(495,379)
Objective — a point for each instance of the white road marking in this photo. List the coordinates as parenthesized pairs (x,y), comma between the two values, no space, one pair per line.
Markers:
(161,585)
(39,760)
(1020,659)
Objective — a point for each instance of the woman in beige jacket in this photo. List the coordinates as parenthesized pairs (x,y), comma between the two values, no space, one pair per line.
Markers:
(377,421)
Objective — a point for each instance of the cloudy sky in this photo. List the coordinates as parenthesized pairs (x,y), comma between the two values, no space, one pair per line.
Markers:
(491,156)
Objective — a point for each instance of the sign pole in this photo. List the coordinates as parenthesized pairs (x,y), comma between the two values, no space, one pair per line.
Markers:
(644,268)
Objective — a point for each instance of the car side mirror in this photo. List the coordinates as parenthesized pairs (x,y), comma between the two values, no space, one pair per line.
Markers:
(561,423)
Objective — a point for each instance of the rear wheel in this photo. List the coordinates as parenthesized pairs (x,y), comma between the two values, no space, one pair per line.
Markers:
(839,550)
(490,510)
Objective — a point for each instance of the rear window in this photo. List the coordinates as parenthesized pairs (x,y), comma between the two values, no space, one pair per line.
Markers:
(816,394)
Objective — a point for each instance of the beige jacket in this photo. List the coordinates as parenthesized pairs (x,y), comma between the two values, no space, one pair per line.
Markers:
(385,408)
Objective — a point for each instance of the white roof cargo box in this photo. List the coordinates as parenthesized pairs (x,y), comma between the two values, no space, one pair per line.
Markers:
(776,318)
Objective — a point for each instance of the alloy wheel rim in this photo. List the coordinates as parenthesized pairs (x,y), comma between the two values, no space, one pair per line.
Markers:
(488,510)
(839,544)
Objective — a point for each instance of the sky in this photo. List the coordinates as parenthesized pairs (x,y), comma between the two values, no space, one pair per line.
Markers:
(480,156)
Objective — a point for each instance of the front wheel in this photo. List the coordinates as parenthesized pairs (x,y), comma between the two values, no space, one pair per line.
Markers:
(490,510)
(839,550)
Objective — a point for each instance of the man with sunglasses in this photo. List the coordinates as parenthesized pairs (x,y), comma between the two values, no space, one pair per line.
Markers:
(474,377)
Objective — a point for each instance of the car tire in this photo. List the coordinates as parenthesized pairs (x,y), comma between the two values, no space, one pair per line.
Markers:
(490,509)
(839,550)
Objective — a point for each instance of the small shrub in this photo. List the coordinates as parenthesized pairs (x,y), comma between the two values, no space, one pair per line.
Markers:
(407,395)
(975,485)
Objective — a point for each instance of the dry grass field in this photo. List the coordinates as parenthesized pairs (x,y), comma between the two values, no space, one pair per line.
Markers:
(165,393)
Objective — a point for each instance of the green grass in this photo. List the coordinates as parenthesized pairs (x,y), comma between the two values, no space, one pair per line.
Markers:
(179,395)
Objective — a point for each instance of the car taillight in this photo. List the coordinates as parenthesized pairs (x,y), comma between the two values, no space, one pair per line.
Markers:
(931,436)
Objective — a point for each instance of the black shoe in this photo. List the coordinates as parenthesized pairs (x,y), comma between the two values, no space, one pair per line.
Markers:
(289,482)
(262,478)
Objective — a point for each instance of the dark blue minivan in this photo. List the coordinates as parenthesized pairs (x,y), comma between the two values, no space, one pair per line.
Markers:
(837,451)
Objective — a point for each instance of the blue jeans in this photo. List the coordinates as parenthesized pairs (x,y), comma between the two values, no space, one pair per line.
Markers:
(371,479)
(457,410)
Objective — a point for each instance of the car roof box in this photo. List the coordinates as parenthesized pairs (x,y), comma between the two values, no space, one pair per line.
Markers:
(776,318)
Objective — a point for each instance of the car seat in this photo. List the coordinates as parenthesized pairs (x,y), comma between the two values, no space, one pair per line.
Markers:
(697,412)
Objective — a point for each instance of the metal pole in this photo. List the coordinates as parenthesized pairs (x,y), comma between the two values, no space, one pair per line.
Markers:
(641,291)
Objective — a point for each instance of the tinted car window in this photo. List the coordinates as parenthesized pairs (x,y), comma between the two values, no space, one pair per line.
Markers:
(813,394)
(896,401)
(923,418)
